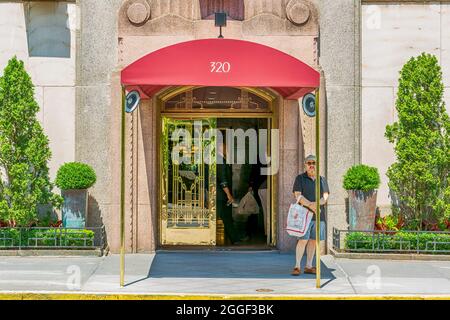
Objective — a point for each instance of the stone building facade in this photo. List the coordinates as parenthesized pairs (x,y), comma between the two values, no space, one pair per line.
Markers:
(358,46)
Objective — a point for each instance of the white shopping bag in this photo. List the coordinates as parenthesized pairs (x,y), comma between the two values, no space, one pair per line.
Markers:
(298,220)
(248,205)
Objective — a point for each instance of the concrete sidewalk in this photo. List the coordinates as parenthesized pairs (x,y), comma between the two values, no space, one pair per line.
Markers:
(219,274)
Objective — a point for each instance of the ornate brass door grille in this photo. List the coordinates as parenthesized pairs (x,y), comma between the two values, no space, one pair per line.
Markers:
(188,182)
(188,201)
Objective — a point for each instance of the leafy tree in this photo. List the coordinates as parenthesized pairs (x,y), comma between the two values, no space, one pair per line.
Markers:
(24,150)
(419,177)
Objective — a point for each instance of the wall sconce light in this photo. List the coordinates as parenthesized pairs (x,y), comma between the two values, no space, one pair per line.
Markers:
(220,21)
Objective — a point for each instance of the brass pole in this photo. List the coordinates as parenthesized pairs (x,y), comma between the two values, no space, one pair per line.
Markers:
(122,191)
(317,189)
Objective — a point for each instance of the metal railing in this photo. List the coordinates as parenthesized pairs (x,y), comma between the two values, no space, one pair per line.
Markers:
(52,238)
(381,241)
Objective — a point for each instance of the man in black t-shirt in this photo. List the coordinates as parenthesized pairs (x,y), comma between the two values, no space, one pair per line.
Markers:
(305,193)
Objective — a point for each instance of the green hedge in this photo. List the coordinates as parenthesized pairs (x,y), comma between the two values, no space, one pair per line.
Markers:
(64,237)
(364,241)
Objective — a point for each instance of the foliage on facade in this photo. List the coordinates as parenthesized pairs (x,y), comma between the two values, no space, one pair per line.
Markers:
(420,178)
(24,150)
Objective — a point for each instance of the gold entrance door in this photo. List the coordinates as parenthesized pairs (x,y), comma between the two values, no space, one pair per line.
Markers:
(188,182)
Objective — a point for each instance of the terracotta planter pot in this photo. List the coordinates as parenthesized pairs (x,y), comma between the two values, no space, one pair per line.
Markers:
(75,208)
(362,206)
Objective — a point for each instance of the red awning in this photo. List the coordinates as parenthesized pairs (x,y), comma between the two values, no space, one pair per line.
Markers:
(221,62)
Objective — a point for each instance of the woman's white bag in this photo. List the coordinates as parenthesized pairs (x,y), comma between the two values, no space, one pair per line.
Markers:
(298,220)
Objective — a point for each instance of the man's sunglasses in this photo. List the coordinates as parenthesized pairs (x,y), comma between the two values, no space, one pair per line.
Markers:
(311,163)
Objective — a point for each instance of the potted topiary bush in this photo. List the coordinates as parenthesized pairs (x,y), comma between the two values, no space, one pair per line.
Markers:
(74,178)
(362,182)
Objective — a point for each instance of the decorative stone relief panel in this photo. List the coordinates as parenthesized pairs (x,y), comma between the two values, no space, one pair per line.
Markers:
(271,7)
(158,17)
(298,12)
(138,12)
(280,17)
(187,9)
(177,17)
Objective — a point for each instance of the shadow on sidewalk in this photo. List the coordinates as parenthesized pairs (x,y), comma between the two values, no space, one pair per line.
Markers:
(229,265)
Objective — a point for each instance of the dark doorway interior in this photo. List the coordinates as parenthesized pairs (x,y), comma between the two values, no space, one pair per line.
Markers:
(250,230)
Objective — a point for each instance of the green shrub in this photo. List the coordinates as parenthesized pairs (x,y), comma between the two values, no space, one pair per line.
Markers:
(9,237)
(361,177)
(48,237)
(54,237)
(75,237)
(75,175)
(402,240)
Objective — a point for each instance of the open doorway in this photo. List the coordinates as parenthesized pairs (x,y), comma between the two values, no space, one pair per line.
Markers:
(192,204)
(244,176)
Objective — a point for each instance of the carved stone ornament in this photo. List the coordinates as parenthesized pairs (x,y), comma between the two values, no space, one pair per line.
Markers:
(298,12)
(138,12)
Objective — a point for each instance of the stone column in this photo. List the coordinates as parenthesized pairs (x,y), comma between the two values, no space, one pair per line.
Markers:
(96,119)
(340,61)
(289,167)
(146,179)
